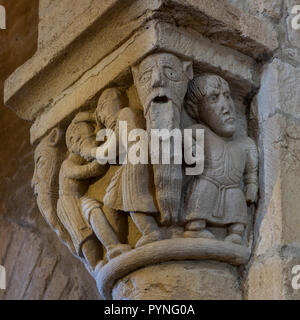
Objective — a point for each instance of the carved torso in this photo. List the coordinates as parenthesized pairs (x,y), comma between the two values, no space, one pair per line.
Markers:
(217,196)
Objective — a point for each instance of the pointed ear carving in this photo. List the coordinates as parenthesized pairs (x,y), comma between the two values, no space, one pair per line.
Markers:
(54,137)
(188,69)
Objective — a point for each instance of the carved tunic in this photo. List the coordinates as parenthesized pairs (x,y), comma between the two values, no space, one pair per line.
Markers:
(132,187)
(217,196)
(73,185)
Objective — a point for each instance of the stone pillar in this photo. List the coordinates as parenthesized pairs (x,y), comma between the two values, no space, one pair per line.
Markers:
(99,55)
(182,280)
(202,268)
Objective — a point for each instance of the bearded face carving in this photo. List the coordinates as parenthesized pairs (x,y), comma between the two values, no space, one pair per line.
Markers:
(162,80)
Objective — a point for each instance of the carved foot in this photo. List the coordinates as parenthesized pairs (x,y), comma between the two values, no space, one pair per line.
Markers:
(151,237)
(199,234)
(118,250)
(234,238)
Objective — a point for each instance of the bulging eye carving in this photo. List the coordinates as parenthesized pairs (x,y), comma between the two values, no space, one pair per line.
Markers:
(214,98)
(171,74)
(146,76)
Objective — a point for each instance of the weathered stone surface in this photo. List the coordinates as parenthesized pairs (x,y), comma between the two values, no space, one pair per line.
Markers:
(293,35)
(235,66)
(270,8)
(40,277)
(181,281)
(279,90)
(84,50)
(215,20)
(280,173)
(236,21)
(64,13)
(24,267)
(270,232)
(34,272)
(265,280)
(271,277)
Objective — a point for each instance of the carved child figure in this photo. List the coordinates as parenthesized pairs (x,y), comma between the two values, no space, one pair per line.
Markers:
(215,198)
(73,183)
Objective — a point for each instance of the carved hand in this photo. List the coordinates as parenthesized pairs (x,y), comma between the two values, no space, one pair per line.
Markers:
(251,193)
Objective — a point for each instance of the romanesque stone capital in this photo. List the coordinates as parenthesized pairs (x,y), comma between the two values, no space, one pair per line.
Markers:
(186,67)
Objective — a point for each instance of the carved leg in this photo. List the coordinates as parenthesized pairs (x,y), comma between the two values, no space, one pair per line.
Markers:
(91,250)
(235,233)
(102,228)
(197,229)
(147,225)
(64,237)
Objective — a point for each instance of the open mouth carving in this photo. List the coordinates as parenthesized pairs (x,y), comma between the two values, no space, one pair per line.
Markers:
(161,99)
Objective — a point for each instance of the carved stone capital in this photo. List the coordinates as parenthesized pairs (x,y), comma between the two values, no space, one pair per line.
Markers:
(154,65)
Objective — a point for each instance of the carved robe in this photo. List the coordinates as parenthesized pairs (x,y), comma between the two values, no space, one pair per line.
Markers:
(132,187)
(216,196)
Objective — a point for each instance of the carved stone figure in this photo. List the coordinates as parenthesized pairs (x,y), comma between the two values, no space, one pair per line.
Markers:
(74,178)
(131,188)
(95,217)
(75,175)
(161,80)
(216,198)
(48,158)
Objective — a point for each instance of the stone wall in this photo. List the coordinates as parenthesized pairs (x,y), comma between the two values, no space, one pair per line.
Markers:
(38,266)
(277,115)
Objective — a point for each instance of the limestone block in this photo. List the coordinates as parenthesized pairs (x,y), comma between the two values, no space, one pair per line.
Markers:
(32,267)
(235,66)
(273,277)
(279,91)
(57,286)
(270,168)
(12,252)
(64,13)
(188,280)
(40,278)
(271,8)
(270,232)
(265,280)
(280,176)
(237,22)
(24,267)
(293,35)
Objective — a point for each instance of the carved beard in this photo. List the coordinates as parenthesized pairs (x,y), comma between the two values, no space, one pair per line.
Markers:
(167,177)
